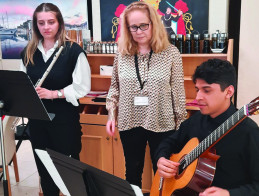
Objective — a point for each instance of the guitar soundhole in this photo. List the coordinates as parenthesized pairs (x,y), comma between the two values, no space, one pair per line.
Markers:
(181,168)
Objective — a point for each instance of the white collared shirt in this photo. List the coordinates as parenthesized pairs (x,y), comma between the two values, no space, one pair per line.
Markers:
(81,84)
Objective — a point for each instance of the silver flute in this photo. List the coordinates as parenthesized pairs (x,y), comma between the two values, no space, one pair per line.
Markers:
(40,81)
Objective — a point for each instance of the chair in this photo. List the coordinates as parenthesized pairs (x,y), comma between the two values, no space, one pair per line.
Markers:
(22,132)
(10,148)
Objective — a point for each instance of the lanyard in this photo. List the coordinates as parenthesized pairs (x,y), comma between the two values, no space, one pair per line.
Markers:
(137,69)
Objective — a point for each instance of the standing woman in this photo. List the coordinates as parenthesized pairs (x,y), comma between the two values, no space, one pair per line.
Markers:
(68,80)
(147,87)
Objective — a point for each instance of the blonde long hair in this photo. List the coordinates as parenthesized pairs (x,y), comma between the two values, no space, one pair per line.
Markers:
(159,40)
(36,35)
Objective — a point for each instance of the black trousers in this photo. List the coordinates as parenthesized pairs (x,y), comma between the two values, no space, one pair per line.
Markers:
(134,143)
(61,136)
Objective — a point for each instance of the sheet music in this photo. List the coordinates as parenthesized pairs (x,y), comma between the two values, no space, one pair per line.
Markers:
(137,190)
(48,163)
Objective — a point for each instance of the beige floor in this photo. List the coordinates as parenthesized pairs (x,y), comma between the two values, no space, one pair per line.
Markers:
(29,178)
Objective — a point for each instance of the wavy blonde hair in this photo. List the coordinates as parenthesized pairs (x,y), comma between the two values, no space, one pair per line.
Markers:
(159,40)
(36,35)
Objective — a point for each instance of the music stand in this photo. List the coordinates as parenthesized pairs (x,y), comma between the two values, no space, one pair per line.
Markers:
(18,98)
(84,180)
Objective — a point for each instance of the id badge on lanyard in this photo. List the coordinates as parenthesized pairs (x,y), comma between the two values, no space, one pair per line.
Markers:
(141,100)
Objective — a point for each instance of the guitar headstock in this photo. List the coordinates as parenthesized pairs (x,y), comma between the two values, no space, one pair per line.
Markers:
(253,107)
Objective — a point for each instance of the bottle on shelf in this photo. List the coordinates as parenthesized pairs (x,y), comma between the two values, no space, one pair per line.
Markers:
(196,43)
(218,36)
(115,47)
(88,47)
(99,47)
(173,39)
(111,48)
(95,48)
(104,47)
(206,43)
(188,44)
(222,40)
(91,47)
(214,41)
(108,51)
(180,43)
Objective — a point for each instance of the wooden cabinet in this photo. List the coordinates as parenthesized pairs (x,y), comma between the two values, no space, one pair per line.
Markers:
(101,150)
(105,152)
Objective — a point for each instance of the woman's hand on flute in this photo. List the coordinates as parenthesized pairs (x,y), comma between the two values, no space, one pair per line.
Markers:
(45,93)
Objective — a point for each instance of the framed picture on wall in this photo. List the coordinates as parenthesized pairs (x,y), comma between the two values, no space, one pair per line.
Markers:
(194,17)
(16,22)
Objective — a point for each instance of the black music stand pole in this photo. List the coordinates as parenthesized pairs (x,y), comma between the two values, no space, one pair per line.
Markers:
(5,181)
(18,98)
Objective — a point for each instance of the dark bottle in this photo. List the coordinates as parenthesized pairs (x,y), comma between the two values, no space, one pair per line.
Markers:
(214,41)
(196,43)
(206,43)
(180,43)
(222,40)
(188,44)
(218,36)
(173,39)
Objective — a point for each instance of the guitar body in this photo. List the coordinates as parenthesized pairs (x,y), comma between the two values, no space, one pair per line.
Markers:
(198,160)
(194,179)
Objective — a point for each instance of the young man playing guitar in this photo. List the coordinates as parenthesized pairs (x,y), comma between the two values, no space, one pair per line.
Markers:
(237,171)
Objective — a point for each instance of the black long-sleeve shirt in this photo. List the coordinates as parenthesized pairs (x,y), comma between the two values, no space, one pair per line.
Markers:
(237,169)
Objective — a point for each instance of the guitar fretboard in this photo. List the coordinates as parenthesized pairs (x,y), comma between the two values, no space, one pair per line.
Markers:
(214,136)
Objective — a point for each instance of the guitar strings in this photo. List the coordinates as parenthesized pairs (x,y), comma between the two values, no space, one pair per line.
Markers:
(198,150)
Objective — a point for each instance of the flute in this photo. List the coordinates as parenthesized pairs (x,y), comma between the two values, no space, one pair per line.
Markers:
(40,81)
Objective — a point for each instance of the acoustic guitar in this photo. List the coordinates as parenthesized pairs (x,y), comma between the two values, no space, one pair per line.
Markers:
(198,160)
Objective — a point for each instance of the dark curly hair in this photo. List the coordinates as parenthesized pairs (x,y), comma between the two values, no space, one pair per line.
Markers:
(217,71)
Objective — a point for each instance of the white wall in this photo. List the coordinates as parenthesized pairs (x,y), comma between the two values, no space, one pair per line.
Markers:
(218,15)
(248,71)
(96,20)
(10,64)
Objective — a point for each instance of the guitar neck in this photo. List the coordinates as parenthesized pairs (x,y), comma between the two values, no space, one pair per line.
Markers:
(216,135)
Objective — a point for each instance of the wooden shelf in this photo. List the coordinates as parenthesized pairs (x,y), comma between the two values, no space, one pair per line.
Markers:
(100,76)
(211,55)
(89,100)
(100,55)
(109,77)
(187,78)
(199,55)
